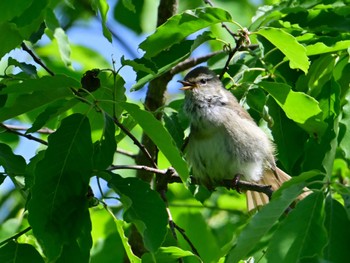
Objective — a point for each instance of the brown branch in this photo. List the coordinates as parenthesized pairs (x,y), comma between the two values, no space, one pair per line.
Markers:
(191,62)
(36,58)
(28,136)
(170,176)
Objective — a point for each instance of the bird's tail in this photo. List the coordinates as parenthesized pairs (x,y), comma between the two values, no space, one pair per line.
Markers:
(275,179)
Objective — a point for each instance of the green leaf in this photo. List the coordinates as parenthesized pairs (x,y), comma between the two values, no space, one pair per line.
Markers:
(345,122)
(160,136)
(14,165)
(197,230)
(301,234)
(108,247)
(168,254)
(166,60)
(12,40)
(262,222)
(58,208)
(35,93)
(63,45)
(103,7)
(19,253)
(321,48)
(289,46)
(52,110)
(11,9)
(337,225)
(105,148)
(298,106)
(144,208)
(179,26)
(27,68)
(130,254)
(287,135)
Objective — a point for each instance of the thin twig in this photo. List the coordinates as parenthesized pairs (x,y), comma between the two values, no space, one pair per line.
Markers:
(28,136)
(137,167)
(21,128)
(17,235)
(182,232)
(191,62)
(36,58)
(126,153)
(135,140)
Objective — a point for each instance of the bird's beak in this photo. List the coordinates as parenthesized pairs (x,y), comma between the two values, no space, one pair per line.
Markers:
(187,85)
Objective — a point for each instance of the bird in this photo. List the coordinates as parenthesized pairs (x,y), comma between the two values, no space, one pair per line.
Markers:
(224,140)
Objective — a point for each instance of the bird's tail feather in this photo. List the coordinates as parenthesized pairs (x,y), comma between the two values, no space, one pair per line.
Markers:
(275,179)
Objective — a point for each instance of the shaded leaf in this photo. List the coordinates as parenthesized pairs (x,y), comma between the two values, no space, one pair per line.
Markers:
(337,226)
(301,234)
(265,219)
(160,136)
(167,59)
(144,208)
(179,26)
(288,45)
(105,148)
(12,40)
(345,123)
(19,253)
(58,208)
(27,68)
(14,165)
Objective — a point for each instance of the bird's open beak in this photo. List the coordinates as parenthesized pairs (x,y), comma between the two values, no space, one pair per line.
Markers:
(187,85)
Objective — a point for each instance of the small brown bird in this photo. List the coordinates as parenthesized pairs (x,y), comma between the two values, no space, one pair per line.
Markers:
(224,140)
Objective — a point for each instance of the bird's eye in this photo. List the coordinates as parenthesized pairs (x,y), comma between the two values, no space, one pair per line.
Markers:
(203,81)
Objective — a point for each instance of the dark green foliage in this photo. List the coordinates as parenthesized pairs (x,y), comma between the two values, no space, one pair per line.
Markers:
(79,122)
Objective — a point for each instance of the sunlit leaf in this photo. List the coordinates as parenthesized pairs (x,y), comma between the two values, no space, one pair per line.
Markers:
(63,44)
(168,254)
(102,7)
(289,46)
(298,106)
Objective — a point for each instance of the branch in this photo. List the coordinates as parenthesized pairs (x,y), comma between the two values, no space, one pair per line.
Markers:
(136,141)
(36,59)
(191,62)
(28,136)
(170,176)
(15,236)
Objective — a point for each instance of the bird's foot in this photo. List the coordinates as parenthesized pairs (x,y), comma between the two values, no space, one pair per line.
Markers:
(235,182)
